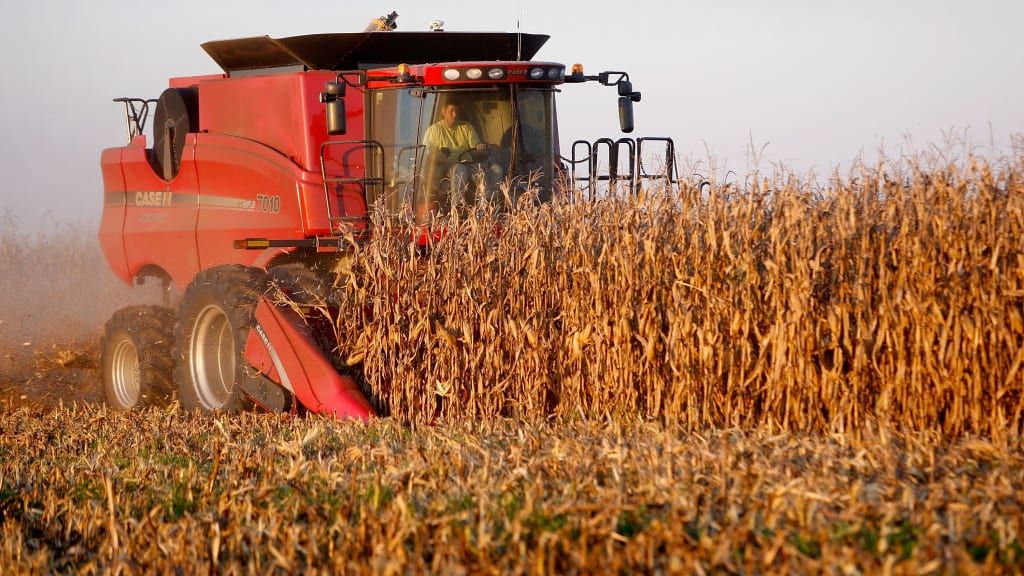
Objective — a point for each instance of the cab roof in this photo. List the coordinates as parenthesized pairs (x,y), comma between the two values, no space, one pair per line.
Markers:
(367,50)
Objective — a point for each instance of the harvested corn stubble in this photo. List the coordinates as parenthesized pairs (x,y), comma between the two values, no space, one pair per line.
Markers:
(89,489)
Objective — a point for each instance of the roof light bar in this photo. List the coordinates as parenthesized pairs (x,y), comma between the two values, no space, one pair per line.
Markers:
(548,73)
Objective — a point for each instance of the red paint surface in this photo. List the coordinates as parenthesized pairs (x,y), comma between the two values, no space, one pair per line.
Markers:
(312,378)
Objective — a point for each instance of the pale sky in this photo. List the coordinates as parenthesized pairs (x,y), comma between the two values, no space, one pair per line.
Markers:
(819,82)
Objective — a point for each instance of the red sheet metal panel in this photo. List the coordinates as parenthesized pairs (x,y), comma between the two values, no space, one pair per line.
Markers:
(281,346)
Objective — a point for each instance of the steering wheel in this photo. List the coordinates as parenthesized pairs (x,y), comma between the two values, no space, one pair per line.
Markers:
(474,156)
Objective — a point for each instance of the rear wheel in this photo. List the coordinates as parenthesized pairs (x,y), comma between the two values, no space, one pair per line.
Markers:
(135,357)
(214,320)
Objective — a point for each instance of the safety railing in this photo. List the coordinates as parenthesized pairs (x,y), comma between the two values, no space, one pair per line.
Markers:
(635,171)
(364,182)
(136,112)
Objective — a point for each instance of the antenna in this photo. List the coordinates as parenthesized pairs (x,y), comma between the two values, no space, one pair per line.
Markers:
(519,41)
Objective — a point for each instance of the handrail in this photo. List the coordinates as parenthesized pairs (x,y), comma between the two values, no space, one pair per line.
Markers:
(613,177)
(364,181)
(136,112)
(574,161)
(636,171)
(671,173)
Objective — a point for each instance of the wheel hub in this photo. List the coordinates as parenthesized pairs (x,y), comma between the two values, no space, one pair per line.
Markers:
(213,357)
(124,373)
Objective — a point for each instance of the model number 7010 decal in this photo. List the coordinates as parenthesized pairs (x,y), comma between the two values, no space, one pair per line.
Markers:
(268,203)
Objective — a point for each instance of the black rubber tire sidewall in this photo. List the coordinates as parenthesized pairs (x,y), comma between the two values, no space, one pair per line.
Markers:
(150,330)
(236,291)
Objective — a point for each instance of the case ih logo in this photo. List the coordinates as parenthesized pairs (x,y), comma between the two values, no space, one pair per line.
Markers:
(153,198)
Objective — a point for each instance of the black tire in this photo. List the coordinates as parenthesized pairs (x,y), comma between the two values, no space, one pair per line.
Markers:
(302,285)
(214,319)
(176,114)
(136,365)
(312,290)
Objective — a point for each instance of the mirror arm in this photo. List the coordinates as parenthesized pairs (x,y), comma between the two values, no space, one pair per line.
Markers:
(627,96)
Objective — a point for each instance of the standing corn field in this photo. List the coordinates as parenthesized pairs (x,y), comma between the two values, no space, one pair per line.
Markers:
(897,295)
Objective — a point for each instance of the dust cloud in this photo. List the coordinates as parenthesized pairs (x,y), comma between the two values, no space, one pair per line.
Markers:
(56,293)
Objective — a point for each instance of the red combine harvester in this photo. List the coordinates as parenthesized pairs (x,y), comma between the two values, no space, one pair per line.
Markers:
(258,175)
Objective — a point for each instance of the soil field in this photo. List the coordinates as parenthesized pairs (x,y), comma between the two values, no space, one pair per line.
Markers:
(46,373)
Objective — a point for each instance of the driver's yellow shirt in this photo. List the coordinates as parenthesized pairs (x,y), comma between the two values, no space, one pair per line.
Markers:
(458,138)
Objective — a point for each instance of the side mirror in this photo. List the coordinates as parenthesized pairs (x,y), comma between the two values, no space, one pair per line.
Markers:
(626,113)
(334,97)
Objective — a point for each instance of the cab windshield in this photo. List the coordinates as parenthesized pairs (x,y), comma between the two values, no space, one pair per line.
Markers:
(453,147)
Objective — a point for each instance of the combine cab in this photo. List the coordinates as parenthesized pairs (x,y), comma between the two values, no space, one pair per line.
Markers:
(257,175)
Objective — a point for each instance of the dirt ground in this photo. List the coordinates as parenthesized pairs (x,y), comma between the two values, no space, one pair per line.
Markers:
(44,372)
(56,293)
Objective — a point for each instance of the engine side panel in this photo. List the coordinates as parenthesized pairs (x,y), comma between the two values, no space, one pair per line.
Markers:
(283,112)
(160,217)
(248,190)
(189,81)
(112,220)
(253,170)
